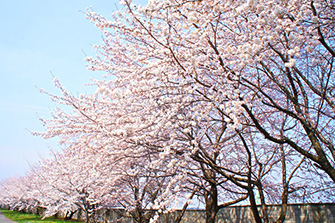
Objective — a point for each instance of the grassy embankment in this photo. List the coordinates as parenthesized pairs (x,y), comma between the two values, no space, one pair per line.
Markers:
(30,218)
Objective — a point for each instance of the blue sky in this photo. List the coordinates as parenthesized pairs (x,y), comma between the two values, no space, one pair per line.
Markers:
(40,38)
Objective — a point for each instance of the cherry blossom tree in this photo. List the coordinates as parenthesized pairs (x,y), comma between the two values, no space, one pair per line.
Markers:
(98,127)
(76,181)
(12,193)
(231,56)
(207,98)
(221,101)
(217,67)
(238,55)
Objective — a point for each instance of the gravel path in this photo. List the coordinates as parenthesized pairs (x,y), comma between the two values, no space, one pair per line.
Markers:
(4,219)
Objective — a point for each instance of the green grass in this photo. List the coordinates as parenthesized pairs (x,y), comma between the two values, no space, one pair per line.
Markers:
(30,218)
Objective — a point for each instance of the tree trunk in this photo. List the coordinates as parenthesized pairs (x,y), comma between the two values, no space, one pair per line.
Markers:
(211,199)
(263,204)
(69,215)
(87,217)
(253,205)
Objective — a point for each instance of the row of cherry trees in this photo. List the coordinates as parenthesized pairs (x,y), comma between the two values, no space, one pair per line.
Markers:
(210,102)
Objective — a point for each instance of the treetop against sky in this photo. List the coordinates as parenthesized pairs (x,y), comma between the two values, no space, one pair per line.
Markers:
(40,40)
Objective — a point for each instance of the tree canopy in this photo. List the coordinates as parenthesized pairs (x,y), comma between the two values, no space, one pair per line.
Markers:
(215,101)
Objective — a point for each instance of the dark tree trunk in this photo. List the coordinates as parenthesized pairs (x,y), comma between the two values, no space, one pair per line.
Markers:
(253,205)
(211,199)
(69,215)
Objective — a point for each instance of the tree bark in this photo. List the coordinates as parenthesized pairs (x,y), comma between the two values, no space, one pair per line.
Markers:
(211,198)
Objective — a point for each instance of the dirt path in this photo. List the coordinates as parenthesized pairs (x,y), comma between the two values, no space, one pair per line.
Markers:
(4,219)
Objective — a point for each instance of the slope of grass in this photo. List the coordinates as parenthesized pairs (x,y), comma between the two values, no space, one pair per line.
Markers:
(29,218)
